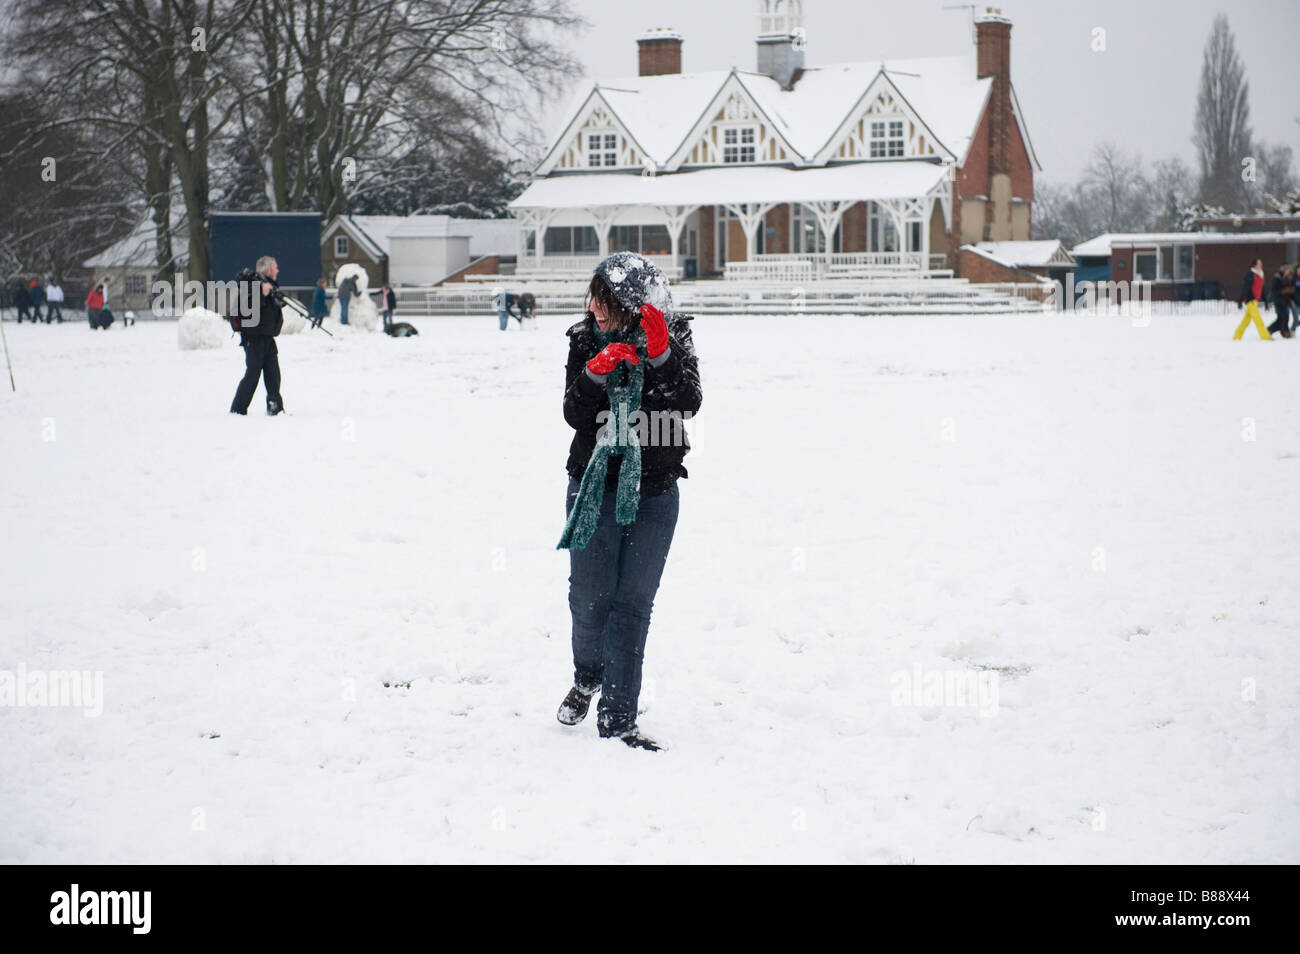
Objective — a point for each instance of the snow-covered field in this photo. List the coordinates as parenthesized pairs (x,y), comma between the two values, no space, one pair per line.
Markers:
(342,634)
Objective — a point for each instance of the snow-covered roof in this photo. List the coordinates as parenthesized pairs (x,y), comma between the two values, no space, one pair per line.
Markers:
(1038,254)
(659,111)
(736,184)
(140,248)
(1102,244)
(375,232)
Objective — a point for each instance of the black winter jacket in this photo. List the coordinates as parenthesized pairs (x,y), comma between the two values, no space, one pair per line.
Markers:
(270,317)
(673,386)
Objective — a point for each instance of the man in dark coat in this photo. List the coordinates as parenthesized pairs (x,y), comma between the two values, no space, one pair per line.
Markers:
(38,299)
(23,301)
(257,338)
(1280,292)
(347,288)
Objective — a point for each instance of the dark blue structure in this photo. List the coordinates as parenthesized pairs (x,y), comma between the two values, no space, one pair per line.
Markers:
(239,239)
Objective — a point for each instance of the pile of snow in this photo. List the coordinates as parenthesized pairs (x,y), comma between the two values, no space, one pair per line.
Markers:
(200,329)
(294,321)
(362,313)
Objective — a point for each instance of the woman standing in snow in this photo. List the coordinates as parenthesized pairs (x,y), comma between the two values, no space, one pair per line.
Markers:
(629,356)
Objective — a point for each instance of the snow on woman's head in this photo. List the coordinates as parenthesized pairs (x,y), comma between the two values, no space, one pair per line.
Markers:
(634,280)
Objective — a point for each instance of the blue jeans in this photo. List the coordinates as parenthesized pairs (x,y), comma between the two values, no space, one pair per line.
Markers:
(505,318)
(612,586)
(343,311)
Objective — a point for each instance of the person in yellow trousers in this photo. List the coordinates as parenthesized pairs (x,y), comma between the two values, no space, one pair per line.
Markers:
(1252,290)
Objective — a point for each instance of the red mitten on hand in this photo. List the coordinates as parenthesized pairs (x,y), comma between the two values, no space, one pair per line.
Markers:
(608,359)
(656,330)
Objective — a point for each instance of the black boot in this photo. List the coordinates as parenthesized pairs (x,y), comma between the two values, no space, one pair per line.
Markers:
(634,739)
(574,707)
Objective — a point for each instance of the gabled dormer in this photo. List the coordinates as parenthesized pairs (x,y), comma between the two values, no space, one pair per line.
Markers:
(882,125)
(734,130)
(595,140)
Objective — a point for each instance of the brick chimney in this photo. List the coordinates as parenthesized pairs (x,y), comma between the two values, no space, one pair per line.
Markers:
(993,58)
(659,52)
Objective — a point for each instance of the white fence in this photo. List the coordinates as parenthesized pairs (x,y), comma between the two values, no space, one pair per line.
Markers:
(820,266)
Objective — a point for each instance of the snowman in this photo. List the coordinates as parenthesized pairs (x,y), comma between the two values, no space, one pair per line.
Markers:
(362,313)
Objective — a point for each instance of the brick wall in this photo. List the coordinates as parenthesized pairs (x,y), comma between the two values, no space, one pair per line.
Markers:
(707,230)
(853,228)
(977,268)
(487,265)
(778,220)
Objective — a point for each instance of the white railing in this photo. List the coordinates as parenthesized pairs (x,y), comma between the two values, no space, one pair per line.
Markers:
(814,266)
(558,263)
(562,267)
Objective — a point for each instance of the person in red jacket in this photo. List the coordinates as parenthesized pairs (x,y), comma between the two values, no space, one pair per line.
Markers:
(95,305)
(1252,290)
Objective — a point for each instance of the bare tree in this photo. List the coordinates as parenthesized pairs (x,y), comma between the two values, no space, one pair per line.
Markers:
(1116,184)
(352,86)
(320,90)
(1222,132)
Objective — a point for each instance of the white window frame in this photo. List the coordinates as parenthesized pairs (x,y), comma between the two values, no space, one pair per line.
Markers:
(1154,252)
(800,217)
(913,229)
(1191,273)
(342,248)
(740,147)
(892,142)
(601,148)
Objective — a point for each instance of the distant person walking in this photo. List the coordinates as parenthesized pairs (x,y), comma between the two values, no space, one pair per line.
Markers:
(1252,291)
(23,302)
(387,305)
(1280,292)
(319,308)
(54,302)
(347,288)
(38,299)
(261,357)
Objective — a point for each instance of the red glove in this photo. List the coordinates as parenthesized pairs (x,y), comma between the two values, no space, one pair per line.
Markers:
(608,359)
(656,330)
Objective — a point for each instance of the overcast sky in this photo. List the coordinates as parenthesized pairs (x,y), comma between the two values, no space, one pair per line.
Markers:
(1140,92)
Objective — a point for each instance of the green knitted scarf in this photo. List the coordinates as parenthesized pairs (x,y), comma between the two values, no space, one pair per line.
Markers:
(623,385)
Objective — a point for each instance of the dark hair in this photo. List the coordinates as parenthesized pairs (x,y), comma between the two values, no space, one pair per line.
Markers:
(599,291)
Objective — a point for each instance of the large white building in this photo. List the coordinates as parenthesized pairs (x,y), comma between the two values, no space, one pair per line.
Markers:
(786,170)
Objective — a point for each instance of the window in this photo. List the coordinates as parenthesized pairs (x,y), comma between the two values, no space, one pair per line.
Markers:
(340,246)
(1146,266)
(530,241)
(602,149)
(134,285)
(806,236)
(571,240)
(914,236)
(646,239)
(738,143)
(886,138)
(1184,263)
